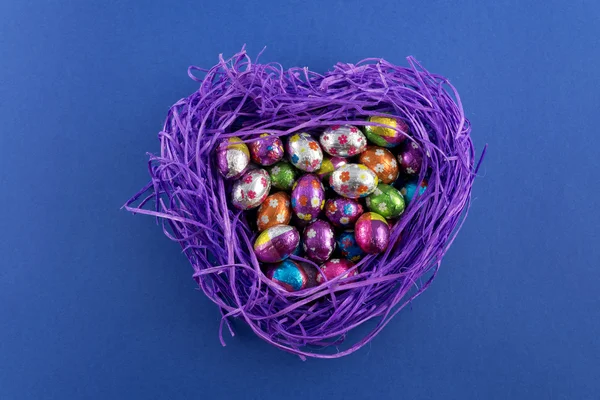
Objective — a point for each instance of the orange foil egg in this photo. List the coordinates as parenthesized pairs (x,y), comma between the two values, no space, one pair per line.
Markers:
(382,162)
(275,210)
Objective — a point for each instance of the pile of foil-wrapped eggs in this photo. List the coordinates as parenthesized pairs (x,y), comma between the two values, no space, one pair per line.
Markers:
(330,201)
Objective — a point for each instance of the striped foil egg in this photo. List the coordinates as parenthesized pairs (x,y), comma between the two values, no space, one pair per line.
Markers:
(372,233)
(276,243)
(233,157)
(386,136)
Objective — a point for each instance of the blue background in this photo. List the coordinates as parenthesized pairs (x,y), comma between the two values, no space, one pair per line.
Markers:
(97,304)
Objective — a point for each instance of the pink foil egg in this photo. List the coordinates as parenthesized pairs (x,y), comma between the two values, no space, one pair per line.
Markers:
(343,141)
(276,243)
(334,268)
(267,150)
(343,212)
(372,233)
(308,197)
(318,241)
(251,189)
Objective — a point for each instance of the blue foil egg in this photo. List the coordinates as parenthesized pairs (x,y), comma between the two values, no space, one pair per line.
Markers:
(289,275)
(349,249)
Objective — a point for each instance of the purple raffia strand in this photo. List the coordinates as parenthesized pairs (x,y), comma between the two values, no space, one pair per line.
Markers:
(191,199)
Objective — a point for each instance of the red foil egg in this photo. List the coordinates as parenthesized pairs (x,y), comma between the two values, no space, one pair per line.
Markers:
(334,268)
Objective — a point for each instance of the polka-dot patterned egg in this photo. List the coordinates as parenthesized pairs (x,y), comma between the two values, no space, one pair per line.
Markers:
(289,275)
(329,165)
(283,175)
(372,233)
(409,189)
(318,241)
(343,141)
(410,159)
(349,249)
(304,151)
(343,212)
(273,211)
(233,157)
(251,189)
(267,150)
(276,243)
(334,268)
(308,197)
(387,201)
(353,181)
(382,162)
(386,136)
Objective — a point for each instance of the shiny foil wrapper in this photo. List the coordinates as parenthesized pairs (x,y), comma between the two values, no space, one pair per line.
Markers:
(290,275)
(349,249)
(233,157)
(381,161)
(409,189)
(334,268)
(372,233)
(386,201)
(283,175)
(410,159)
(343,141)
(304,152)
(276,243)
(386,136)
(329,165)
(318,241)
(353,181)
(267,150)
(308,197)
(251,189)
(343,212)
(275,210)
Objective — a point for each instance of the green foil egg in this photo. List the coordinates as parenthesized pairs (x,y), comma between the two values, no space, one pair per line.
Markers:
(283,175)
(386,201)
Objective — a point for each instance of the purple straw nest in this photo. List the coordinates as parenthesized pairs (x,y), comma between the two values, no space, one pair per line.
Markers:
(239,97)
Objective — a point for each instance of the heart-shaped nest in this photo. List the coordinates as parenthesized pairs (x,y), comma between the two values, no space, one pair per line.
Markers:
(239,97)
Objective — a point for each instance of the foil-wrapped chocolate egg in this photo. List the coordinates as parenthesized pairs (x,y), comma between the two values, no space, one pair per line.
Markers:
(233,157)
(289,275)
(311,274)
(304,151)
(343,212)
(410,158)
(372,233)
(334,268)
(349,249)
(267,150)
(409,189)
(353,181)
(308,197)
(283,175)
(318,241)
(386,136)
(329,165)
(386,201)
(382,162)
(276,243)
(275,210)
(251,189)
(343,141)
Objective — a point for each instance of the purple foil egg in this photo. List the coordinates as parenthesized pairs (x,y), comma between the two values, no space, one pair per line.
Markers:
(308,197)
(372,233)
(318,241)
(251,189)
(334,268)
(343,141)
(267,150)
(276,243)
(343,212)
(410,158)
(232,157)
